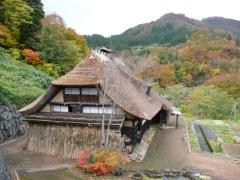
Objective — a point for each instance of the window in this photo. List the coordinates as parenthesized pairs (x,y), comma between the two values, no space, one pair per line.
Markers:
(97,110)
(81,95)
(89,91)
(60,108)
(71,91)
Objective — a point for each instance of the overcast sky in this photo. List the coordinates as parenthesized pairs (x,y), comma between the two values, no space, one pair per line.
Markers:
(109,17)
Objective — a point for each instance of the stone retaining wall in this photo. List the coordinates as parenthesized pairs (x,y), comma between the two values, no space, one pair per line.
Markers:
(4,172)
(11,124)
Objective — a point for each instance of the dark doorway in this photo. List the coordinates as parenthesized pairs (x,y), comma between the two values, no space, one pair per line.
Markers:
(161,117)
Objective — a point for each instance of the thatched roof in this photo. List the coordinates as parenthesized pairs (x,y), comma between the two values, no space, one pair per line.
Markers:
(115,79)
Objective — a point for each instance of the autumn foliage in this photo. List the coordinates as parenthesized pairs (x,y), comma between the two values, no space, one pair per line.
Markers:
(101,162)
(150,69)
(31,57)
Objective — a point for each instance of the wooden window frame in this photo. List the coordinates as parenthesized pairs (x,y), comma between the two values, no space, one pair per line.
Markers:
(105,107)
(52,108)
(81,97)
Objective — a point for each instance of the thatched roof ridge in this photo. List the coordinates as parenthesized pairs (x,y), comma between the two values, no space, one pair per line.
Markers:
(87,72)
(40,102)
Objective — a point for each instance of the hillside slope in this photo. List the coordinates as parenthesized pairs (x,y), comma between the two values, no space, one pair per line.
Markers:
(20,83)
(229,25)
(170,29)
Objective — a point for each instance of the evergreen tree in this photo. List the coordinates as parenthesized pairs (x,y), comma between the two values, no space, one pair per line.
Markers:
(28,32)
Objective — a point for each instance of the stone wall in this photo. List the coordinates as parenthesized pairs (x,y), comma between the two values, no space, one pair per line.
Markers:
(4,172)
(64,141)
(11,124)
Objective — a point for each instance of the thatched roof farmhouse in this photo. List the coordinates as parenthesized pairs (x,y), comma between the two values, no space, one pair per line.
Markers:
(100,85)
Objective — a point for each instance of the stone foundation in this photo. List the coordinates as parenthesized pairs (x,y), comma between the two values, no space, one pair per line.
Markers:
(65,141)
(11,124)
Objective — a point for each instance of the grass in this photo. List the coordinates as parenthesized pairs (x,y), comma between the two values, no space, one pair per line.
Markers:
(23,176)
(20,83)
(225,130)
(49,175)
(216,146)
(69,173)
(192,138)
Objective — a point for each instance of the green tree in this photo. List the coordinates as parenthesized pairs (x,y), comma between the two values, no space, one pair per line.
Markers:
(16,13)
(28,32)
(176,94)
(57,49)
(209,102)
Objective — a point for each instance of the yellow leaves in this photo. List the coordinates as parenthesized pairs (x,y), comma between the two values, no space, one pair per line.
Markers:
(6,39)
(166,75)
(215,72)
(188,78)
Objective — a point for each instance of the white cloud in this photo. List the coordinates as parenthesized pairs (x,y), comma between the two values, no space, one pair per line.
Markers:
(110,17)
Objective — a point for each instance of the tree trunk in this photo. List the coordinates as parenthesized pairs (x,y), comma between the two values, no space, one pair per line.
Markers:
(109,123)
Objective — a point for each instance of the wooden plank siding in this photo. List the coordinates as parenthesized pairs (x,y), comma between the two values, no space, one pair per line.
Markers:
(81,98)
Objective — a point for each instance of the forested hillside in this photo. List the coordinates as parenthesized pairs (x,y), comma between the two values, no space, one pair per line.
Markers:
(171,29)
(196,64)
(229,25)
(201,73)
(34,49)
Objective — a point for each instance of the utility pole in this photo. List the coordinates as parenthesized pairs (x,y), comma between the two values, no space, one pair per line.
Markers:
(234,110)
(177,121)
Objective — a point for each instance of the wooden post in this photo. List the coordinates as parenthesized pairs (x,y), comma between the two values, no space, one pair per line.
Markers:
(177,121)
(160,122)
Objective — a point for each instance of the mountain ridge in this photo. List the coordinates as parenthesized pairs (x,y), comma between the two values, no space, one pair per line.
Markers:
(170,29)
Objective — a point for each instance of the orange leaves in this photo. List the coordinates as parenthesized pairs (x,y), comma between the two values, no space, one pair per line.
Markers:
(99,168)
(166,75)
(149,68)
(101,162)
(83,157)
(31,57)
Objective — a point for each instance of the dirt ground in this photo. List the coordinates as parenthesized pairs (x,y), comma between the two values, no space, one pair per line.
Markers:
(232,149)
(167,150)
(16,157)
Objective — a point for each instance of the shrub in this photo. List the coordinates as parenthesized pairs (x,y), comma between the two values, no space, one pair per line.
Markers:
(15,53)
(31,57)
(49,68)
(101,161)
(20,83)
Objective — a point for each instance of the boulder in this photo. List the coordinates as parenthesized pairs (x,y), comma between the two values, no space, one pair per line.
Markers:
(236,139)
